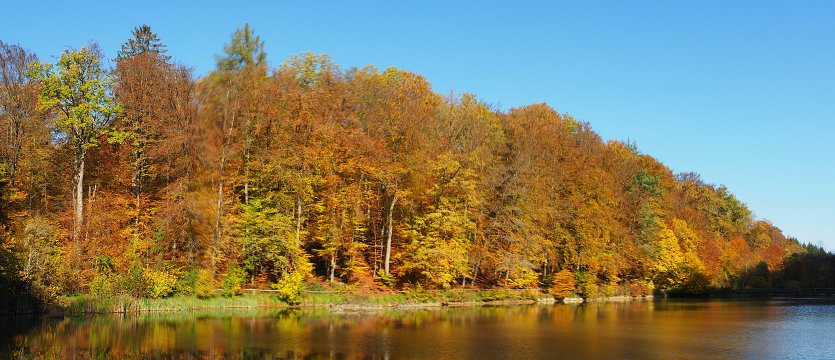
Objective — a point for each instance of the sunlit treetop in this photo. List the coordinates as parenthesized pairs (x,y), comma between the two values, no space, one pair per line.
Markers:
(244,50)
(143,41)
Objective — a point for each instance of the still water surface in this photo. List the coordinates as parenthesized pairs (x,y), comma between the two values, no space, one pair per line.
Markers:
(662,329)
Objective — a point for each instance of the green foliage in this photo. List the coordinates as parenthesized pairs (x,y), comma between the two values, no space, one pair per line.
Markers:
(204,285)
(290,288)
(244,50)
(233,282)
(103,286)
(268,238)
(438,250)
(187,282)
(311,70)
(587,284)
(419,294)
(143,41)
(161,283)
(648,183)
(385,279)
(77,88)
(495,295)
(135,283)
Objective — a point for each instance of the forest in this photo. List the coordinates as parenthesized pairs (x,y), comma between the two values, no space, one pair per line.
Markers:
(130,175)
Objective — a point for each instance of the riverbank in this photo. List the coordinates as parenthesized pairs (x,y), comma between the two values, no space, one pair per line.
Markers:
(337,301)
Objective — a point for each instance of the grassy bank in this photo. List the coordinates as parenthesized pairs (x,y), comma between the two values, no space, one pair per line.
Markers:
(87,304)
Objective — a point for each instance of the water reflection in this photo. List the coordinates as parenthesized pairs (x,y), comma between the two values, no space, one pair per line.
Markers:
(661,329)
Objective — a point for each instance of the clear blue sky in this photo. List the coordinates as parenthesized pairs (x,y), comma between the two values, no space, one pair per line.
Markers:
(740,92)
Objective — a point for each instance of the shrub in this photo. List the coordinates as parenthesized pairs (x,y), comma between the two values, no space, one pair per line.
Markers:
(134,283)
(204,285)
(606,290)
(385,279)
(587,284)
(590,291)
(418,294)
(563,284)
(290,287)
(234,281)
(186,282)
(160,283)
(522,278)
(103,286)
(495,295)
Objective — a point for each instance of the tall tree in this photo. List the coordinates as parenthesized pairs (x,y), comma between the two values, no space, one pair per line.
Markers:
(143,41)
(77,89)
(18,105)
(227,109)
(141,74)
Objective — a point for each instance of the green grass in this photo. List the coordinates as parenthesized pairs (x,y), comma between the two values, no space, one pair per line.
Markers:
(88,304)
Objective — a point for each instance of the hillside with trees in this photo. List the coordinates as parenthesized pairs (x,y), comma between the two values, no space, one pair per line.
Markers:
(132,176)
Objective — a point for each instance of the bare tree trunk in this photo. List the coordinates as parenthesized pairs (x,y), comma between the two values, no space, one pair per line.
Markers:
(333,266)
(246,175)
(298,219)
(79,195)
(217,231)
(388,233)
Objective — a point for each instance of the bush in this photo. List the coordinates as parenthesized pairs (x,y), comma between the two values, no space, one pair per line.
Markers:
(134,283)
(523,278)
(418,294)
(233,282)
(186,282)
(204,285)
(290,288)
(563,284)
(103,286)
(591,291)
(160,283)
(385,279)
(587,284)
(606,290)
(495,295)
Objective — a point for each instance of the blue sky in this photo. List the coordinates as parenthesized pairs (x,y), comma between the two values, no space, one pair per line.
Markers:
(741,92)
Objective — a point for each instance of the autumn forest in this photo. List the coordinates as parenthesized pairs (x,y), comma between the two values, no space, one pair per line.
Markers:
(127,174)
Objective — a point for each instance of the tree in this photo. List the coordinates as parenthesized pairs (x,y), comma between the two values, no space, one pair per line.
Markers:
(245,49)
(77,89)
(228,105)
(18,106)
(145,87)
(143,41)
(563,285)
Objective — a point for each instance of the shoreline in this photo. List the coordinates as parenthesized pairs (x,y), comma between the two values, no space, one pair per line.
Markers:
(86,305)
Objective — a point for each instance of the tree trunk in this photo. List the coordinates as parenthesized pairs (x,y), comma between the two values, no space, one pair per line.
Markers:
(79,194)
(388,233)
(333,266)
(298,219)
(218,216)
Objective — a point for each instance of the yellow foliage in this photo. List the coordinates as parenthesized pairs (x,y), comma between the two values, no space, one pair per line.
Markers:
(160,283)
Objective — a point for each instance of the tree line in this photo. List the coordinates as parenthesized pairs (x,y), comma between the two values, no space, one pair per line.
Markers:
(133,176)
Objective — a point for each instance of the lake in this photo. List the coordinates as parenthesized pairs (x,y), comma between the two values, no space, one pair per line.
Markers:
(703,329)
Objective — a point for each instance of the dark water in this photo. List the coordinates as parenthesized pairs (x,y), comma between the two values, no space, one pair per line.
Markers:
(639,330)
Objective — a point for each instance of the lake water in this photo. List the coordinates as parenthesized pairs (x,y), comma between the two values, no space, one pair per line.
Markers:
(661,329)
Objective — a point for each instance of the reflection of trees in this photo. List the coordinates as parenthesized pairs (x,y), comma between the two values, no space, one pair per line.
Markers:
(607,330)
